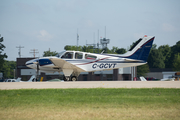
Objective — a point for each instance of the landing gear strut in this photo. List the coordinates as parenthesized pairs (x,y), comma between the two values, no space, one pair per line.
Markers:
(66,78)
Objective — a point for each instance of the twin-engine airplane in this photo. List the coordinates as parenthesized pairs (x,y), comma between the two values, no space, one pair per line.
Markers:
(72,63)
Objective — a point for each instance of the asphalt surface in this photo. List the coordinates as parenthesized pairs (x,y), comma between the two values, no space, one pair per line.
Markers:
(90,84)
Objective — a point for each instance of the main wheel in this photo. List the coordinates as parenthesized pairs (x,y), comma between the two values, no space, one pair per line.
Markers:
(66,78)
(73,78)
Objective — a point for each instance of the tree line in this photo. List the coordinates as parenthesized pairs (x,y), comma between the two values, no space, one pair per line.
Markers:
(6,67)
(165,57)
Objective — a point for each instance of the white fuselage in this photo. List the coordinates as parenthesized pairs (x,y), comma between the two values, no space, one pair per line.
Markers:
(102,62)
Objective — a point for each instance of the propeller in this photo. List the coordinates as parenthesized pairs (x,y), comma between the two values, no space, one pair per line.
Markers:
(37,71)
(37,74)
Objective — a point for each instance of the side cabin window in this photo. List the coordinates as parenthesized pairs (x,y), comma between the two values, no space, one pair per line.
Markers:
(92,57)
(78,55)
(68,55)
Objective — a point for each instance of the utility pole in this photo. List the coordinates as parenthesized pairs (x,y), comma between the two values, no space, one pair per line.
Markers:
(77,40)
(34,51)
(98,41)
(105,31)
(19,50)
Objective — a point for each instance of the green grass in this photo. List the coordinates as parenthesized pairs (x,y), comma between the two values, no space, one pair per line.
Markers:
(99,103)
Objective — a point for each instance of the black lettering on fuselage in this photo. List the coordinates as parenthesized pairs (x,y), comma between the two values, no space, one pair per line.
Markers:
(103,65)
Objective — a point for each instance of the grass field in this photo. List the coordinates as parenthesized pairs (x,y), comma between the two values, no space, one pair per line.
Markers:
(83,104)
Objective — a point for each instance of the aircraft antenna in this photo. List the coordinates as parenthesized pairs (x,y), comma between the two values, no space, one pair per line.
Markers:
(19,50)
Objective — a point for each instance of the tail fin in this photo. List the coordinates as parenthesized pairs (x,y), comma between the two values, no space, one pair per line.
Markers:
(140,50)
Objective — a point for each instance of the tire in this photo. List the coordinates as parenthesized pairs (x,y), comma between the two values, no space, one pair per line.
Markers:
(66,78)
(73,78)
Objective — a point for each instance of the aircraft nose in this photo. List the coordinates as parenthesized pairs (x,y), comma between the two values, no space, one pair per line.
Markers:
(30,63)
(27,63)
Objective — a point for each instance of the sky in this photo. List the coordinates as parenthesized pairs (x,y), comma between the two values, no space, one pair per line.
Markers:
(53,24)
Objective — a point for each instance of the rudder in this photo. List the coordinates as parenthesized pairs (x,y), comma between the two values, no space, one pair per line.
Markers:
(145,49)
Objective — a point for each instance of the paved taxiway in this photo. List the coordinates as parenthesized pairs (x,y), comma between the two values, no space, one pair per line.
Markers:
(90,84)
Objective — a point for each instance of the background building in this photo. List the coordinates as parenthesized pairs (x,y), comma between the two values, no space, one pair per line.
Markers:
(160,73)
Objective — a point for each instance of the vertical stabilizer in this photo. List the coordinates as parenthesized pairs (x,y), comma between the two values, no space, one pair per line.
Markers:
(140,50)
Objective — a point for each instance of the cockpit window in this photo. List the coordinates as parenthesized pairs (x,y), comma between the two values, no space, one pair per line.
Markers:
(68,55)
(78,55)
(87,56)
(60,54)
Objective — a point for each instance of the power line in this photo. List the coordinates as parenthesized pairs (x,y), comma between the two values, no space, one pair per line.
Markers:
(20,50)
(34,51)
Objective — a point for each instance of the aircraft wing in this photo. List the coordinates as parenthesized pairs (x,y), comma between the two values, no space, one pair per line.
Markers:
(62,64)
(55,67)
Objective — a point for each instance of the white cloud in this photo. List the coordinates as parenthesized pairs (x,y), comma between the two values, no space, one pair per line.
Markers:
(167,27)
(44,36)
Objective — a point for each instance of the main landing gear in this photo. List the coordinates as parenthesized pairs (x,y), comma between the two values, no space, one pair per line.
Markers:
(70,75)
(70,78)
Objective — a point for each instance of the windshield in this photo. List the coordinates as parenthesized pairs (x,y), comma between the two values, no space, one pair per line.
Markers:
(60,54)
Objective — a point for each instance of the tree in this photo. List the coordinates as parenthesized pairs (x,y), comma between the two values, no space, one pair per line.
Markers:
(121,51)
(49,53)
(175,49)
(114,49)
(155,59)
(166,52)
(84,49)
(2,56)
(176,63)
(8,69)
(142,70)
(153,46)
(67,47)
